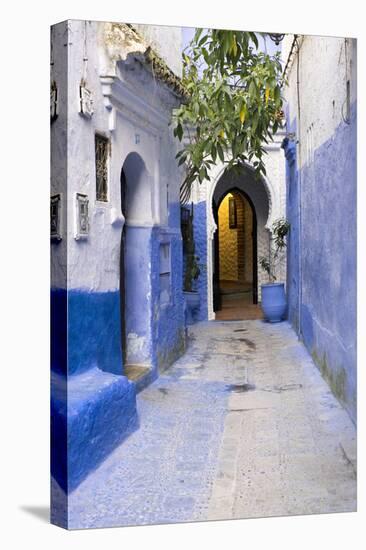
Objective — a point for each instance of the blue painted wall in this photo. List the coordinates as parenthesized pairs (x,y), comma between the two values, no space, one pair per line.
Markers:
(200,237)
(138,273)
(292,214)
(58,317)
(168,319)
(328,260)
(93,406)
(85,331)
(160,325)
(91,413)
(94,333)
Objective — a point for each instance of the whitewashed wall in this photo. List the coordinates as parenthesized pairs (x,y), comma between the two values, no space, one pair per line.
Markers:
(323,66)
(95,52)
(167,42)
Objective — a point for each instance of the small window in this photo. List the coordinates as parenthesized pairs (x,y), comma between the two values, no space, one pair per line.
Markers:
(101,167)
(165,272)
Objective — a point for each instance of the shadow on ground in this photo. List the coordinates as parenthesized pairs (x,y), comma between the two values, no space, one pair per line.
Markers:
(40,512)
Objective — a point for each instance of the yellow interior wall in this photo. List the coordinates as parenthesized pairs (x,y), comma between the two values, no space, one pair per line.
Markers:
(228,244)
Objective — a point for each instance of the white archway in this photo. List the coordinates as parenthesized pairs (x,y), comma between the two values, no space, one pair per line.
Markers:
(139,200)
(275,210)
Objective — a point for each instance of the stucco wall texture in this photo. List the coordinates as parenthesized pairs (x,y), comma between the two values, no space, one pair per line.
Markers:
(321,192)
(93,264)
(200,236)
(132,109)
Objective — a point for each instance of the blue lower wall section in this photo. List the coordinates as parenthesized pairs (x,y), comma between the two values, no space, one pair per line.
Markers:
(100,411)
(138,273)
(158,326)
(200,237)
(328,260)
(94,331)
(292,214)
(58,330)
(85,331)
(168,319)
(93,406)
(59,470)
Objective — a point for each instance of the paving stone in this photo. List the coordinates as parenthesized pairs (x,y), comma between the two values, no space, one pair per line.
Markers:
(204,451)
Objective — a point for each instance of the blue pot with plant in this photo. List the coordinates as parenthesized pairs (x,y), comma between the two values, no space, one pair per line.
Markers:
(274,303)
(191,266)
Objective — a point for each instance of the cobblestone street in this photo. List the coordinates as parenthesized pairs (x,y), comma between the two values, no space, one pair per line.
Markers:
(241,426)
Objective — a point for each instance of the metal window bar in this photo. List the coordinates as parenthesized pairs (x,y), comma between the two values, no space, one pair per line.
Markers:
(101,167)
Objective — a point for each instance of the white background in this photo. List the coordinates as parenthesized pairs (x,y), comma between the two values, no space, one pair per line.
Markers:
(24,255)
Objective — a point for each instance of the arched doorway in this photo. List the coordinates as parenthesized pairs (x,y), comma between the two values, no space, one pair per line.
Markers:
(262,205)
(235,273)
(135,272)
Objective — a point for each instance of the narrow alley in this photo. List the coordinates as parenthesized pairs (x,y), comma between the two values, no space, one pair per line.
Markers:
(241,426)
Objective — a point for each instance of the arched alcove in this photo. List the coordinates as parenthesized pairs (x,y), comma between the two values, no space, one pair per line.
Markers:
(265,204)
(135,273)
(137,200)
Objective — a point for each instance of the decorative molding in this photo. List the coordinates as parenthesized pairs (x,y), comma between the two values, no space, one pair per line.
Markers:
(82,216)
(141,64)
(85,101)
(118,96)
(122,40)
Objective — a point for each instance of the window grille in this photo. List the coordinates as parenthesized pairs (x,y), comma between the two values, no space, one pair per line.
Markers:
(101,167)
(56,217)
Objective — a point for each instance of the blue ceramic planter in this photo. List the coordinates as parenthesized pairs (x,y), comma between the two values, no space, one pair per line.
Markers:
(273,302)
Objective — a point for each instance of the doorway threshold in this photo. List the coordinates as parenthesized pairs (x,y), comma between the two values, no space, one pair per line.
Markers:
(139,374)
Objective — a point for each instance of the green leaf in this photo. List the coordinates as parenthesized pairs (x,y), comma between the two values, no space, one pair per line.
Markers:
(252,89)
(230,123)
(197,35)
(182,159)
(202,173)
(179,131)
(213,152)
(243,112)
(202,41)
(206,55)
(254,122)
(254,39)
(220,152)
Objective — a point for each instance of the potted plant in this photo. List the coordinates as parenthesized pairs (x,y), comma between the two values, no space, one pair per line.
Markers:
(273,293)
(192,269)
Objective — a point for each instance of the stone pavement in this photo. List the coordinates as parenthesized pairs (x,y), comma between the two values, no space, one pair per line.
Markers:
(241,426)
